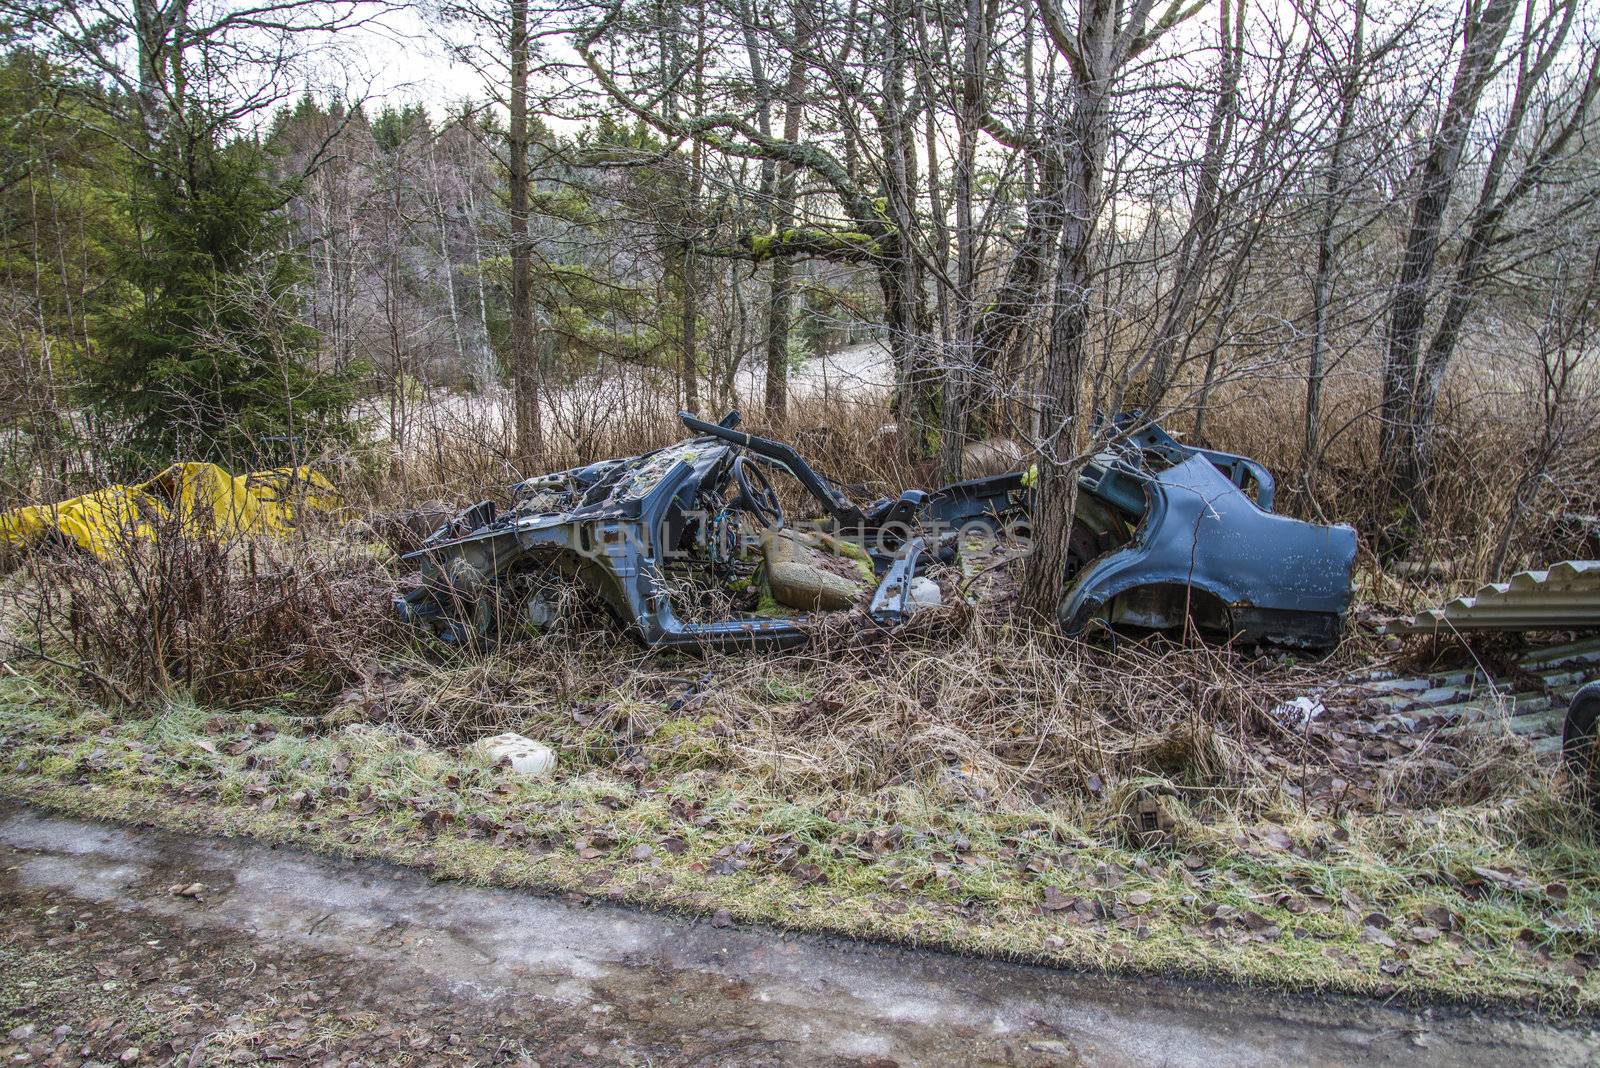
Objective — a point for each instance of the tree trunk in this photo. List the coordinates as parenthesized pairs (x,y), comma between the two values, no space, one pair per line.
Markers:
(1435,180)
(780,300)
(1000,325)
(900,276)
(524,357)
(960,360)
(159,91)
(1196,248)
(1056,490)
(1063,435)
(1327,246)
(1484,230)
(689,287)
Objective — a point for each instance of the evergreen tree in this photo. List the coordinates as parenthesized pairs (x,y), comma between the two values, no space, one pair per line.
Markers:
(208,357)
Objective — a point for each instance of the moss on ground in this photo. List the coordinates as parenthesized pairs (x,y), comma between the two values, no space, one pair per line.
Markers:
(1457,904)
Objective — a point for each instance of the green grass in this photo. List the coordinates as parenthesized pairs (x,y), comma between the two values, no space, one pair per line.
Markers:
(1284,904)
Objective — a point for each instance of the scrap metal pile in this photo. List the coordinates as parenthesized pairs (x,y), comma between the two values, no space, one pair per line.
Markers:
(1165,534)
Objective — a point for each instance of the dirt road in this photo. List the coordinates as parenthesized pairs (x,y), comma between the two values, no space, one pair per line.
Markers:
(139,947)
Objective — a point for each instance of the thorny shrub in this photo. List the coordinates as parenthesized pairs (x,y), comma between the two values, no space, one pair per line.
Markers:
(229,621)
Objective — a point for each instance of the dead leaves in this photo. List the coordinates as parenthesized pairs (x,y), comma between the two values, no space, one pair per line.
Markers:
(1377,936)
(729,859)
(435,820)
(1224,920)
(592,846)
(1509,880)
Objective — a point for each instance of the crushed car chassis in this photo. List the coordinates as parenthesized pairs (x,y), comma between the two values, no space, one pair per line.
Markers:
(1165,533)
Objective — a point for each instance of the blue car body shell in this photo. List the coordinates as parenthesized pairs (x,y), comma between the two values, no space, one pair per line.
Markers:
(1183,541)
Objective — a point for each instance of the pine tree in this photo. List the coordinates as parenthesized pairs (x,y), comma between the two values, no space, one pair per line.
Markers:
(208,357)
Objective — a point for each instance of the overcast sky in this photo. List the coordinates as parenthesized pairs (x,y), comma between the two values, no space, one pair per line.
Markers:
(400,60)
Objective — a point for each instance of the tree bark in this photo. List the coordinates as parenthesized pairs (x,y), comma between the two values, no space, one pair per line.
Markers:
(1327,246)
(780,298)
(159,91)
(689,368)
(524,357)
(1061,430)
(900,276)
(1434,182)
(960,360)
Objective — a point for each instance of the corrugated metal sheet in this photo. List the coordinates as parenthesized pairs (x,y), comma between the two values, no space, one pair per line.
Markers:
(1531,697)
(1566,595)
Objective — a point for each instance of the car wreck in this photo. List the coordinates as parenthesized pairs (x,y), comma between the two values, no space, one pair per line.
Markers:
(693,545)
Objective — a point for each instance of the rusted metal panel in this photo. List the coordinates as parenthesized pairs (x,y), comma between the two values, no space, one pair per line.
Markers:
(1564,596)
(1530,698)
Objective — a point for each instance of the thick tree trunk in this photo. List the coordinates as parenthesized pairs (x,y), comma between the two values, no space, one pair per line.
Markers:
(916,400)
(1106,35)
(1056,490)
(160,90)
(1063,435)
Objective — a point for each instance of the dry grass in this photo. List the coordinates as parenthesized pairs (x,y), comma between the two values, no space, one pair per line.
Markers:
(231,621)
(965,726)
(1383,904)
(970,703)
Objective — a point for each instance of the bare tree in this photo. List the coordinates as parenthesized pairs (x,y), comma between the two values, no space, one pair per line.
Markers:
(1096,46)
(1198,245)
(1567,398)
(1483,29)
(1350,75)
(1520,162)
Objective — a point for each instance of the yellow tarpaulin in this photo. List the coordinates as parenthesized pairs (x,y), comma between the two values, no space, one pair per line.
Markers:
(201,498)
